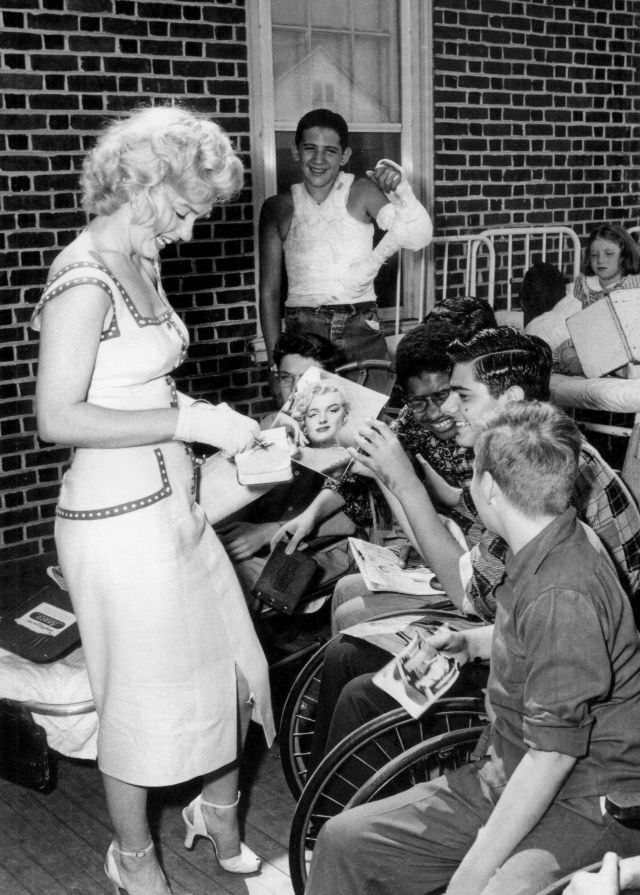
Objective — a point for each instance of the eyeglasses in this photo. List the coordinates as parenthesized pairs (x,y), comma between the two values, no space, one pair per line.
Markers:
(420,404)
(289,379)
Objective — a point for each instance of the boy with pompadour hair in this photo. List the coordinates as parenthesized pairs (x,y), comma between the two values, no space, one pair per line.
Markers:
(563,691)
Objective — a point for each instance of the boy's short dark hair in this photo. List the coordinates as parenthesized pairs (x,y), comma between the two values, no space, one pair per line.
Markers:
(459,318)
(328,355)
(531,449)
(503,357)
(323,118)
(417,354)
(424,348)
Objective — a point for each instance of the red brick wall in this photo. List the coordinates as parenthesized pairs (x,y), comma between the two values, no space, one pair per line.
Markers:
(535,104)
(65,68)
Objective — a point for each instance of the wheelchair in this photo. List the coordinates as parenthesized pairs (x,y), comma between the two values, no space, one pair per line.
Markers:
(297,719)
(461,722)
(341,779)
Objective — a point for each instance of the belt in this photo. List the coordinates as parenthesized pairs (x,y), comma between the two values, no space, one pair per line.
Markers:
(322,309)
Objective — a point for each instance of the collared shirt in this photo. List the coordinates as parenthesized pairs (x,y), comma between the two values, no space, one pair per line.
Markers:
(601,500)
(565,660)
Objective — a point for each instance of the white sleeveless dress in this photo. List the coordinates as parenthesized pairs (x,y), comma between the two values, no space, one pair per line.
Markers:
(162,618)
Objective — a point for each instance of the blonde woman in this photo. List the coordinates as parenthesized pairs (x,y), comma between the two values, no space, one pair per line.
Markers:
(174,664)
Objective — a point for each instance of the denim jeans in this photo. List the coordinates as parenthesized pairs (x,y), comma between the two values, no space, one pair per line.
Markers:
(353,328)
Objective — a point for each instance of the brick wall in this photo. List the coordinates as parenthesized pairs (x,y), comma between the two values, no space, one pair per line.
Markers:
(535,105)
(537,109)
(67,65)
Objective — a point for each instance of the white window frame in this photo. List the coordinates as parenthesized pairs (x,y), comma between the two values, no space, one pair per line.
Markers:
(416,127)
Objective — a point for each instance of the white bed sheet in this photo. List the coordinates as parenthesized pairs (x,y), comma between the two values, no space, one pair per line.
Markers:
(63,681)
(608,393)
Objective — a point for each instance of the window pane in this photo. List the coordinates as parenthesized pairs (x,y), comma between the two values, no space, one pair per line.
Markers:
(376,94)
(332,13)
(373,15)
(288,47)
(354,70)
(288,12)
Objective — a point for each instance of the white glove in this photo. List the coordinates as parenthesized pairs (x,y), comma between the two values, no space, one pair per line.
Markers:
(218,425)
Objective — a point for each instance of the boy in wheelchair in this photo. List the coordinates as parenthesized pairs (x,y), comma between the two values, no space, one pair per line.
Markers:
(563,692)
(490,369)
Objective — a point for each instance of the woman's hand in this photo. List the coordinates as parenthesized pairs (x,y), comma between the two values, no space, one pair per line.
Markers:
(293,427)
(378,450)
(242,540)
(218,425)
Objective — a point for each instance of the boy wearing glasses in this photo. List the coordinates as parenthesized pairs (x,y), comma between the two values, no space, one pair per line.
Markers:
(426,433)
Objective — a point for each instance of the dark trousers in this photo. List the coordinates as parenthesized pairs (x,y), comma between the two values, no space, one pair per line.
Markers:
(348,697)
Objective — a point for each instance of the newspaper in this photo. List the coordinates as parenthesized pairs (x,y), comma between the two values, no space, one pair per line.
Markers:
(418,675)
(386,569)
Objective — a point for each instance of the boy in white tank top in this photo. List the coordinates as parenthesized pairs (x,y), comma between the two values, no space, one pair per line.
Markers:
(323,229)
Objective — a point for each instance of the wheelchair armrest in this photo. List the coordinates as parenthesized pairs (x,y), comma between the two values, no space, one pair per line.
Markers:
(623,805)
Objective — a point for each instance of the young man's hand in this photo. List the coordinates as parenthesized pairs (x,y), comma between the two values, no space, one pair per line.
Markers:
(605,882)
(451,643)
(378,449)
(294,531)
(242,540)
(386,176)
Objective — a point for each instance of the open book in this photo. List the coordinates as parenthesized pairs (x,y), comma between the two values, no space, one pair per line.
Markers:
(418,675)
(385,569)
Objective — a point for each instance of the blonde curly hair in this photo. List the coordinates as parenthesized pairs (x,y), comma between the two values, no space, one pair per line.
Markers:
(304,398)
(155,147)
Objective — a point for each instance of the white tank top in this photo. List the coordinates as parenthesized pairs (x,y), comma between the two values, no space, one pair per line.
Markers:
(322,242)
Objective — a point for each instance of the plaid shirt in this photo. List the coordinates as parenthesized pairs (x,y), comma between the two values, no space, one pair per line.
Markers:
(600,499)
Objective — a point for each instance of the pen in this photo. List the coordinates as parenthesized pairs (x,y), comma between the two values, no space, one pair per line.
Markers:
(402,416)
(261,443)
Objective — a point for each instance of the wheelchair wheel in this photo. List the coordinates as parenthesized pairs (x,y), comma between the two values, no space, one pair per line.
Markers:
(419,764)
(342,772)
(298,720)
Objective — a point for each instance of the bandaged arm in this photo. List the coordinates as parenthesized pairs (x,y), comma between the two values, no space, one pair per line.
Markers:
(408,226)
(406,221)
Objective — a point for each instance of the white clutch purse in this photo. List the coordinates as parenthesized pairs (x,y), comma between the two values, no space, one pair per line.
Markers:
(268,462)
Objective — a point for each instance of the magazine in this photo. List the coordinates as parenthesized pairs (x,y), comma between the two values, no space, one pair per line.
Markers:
(386,569)
(418,675)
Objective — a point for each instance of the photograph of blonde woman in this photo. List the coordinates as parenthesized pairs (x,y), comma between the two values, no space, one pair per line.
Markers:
(175,666)
(323,415)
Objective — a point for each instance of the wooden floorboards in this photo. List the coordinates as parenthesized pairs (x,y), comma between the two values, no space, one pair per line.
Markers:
(54,844)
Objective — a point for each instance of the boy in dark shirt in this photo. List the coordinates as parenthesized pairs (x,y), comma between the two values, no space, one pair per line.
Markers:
(563,691)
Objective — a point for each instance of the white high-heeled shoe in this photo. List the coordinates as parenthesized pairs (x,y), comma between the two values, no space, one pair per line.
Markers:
(244,862)
(112,870)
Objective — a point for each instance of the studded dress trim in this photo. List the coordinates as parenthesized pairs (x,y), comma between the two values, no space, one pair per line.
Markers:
(51,291)
(130,506)
(168,317)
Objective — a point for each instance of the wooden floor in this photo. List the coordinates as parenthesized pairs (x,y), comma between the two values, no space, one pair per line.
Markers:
(54,844)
